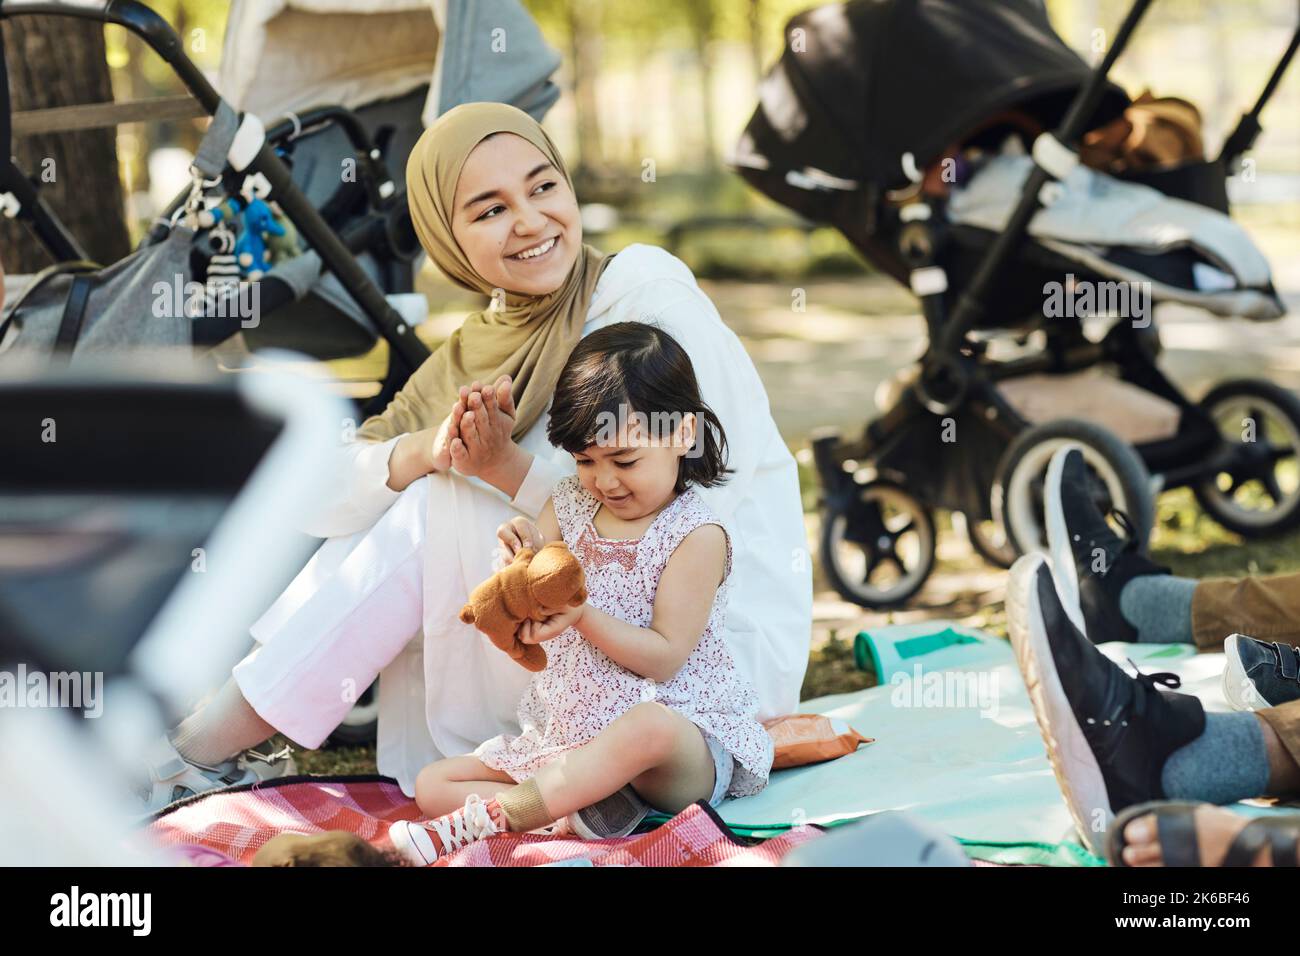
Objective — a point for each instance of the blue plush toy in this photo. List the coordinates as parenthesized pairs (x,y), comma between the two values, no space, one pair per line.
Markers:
(250,250)
(258,221)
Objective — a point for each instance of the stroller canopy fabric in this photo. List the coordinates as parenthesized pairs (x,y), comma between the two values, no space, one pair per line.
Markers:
(290,55)
(863,83)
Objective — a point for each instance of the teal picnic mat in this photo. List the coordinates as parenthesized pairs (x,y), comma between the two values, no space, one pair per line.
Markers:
(956,743)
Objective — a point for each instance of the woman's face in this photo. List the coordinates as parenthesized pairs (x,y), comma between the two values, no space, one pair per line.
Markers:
(515,217)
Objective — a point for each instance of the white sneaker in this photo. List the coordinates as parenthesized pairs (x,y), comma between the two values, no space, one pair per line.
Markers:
(421,844)
(170,777)
(269,766)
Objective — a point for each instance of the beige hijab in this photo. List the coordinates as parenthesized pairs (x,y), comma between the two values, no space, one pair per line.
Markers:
(525,337)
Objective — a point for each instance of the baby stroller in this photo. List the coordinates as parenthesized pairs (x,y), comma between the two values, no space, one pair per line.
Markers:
(350,85)
(854,120)
(355,82)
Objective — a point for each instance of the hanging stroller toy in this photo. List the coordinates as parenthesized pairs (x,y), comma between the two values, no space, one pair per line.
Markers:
(258,227)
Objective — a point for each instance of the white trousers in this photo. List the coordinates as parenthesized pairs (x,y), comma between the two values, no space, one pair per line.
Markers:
(382,603)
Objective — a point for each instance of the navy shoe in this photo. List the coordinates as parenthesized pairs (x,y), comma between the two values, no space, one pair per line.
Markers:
(1090,561)
(1107,734)
(1259,674)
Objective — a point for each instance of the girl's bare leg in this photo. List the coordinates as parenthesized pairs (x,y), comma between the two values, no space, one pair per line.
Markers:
(657,750)
(444,786)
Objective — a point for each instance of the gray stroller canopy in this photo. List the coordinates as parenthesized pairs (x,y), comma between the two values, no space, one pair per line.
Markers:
(284,56)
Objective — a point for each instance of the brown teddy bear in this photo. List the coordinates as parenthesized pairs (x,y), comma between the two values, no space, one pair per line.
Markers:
(549,578)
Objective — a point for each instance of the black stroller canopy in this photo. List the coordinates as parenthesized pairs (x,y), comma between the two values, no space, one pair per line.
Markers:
(863,83)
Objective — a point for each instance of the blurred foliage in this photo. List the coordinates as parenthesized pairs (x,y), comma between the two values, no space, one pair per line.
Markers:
(677,79)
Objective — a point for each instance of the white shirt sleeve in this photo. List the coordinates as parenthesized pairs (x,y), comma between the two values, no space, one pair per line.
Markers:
(360,493)
(729,384)
(536,487)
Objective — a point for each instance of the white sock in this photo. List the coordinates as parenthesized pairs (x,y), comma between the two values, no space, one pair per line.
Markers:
(221,728)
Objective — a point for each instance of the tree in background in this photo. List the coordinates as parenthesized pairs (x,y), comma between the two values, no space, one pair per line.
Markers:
(60,61)
(579,23)
(754,20)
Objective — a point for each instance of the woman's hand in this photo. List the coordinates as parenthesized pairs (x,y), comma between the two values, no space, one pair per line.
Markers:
(443,436)
(484,446)
(484,433)
(417,454)
(519,533)
(556,622)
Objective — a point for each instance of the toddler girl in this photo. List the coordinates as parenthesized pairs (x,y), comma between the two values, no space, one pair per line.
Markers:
(640,696)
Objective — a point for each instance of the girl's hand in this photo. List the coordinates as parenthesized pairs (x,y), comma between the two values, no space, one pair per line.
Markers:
(517,534)
(484,443)
(557,621)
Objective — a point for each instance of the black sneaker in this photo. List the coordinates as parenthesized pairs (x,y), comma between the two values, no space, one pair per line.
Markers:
(1091,562)
(1107,734)
(1259,674)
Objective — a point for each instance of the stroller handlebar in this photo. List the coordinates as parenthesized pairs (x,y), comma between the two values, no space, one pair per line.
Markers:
(972,303)
(143,21)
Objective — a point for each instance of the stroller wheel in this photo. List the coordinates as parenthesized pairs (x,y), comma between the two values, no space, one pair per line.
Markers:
(877,545)
(1121,480)
(1260,493)
(990,541)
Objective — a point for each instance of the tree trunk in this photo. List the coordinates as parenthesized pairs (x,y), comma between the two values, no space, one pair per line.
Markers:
(59,61)
(755,20)
(703,19)
(584,57)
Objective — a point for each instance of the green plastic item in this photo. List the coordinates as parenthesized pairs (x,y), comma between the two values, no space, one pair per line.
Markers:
(935,645)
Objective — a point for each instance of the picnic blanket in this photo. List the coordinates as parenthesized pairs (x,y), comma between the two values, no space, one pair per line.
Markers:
(956,743)
(240,820)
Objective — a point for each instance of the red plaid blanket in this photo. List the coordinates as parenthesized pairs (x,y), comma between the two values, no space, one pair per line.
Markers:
(239,821)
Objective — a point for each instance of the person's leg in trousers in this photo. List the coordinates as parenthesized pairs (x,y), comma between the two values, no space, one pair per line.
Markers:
(323,642)
(1217,828)
(1267,608)
(1170,610)
(1282,741)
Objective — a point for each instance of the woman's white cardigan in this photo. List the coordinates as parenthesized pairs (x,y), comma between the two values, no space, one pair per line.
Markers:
(452,689)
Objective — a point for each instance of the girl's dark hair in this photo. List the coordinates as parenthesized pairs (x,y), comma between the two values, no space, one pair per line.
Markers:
(636,368)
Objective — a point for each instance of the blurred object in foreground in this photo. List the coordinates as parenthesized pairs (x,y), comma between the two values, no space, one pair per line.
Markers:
(146,520)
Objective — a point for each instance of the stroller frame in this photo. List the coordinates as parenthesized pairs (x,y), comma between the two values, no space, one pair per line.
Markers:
(406,350)
(957,386)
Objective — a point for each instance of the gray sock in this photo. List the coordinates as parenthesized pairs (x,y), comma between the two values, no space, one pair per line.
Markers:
(1228,762)
(221,728)
(1160,607)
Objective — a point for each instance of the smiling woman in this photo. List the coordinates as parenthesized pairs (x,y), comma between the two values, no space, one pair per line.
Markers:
(521,236)
(462,449)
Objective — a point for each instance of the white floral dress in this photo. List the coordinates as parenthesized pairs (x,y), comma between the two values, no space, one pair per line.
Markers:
(582,690)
